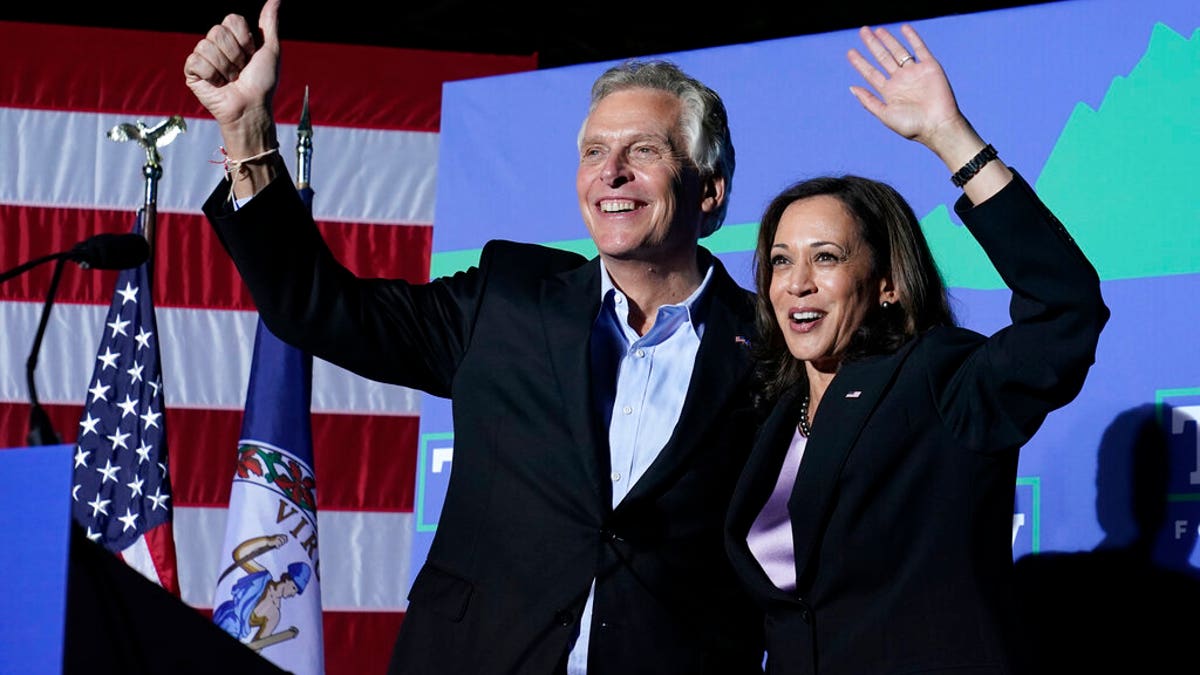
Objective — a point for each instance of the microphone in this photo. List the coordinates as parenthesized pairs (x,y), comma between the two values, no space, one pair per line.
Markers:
(111,251)
(103,252)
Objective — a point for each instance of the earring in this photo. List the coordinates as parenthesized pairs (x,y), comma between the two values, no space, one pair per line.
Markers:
(885,304)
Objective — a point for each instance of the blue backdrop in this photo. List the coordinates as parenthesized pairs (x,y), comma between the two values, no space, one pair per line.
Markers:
(1096,102)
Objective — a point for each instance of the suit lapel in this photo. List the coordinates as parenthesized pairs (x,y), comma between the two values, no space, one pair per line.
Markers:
(570,303)
(721,362)
(848,403)
(758,480)
(765,462)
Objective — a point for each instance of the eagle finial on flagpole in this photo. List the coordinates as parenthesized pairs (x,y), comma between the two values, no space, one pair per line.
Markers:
(151,138)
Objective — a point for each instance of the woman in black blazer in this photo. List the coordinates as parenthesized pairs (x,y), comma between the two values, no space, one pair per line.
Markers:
(873,519)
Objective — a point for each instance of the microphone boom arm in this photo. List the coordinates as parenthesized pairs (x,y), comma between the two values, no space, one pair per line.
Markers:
(41,431)
(26,266)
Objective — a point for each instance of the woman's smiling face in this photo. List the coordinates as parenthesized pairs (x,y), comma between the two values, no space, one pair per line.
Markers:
(823,280)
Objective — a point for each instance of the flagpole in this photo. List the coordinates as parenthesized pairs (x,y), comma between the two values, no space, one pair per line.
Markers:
(272,548)
(151,172)
(304,147)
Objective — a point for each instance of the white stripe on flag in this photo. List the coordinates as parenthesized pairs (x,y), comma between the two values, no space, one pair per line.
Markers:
(393,183)
(206,361)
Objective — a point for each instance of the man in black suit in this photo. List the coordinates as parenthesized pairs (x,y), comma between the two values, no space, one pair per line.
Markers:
(602,407)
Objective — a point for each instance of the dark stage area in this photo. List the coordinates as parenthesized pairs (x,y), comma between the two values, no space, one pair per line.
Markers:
(560,34)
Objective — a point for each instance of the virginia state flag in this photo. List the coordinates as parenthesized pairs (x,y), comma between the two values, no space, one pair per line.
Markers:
(268,592)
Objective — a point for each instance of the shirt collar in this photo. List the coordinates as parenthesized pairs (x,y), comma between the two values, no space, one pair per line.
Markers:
(691,307)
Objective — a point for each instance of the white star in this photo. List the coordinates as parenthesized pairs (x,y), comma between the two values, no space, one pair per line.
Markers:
(98,391)
(151,418)
(129,294)
(128,519)
(143,337)
(94,536)
(135,372)
(118,327)
(128,407)
(144,452)
(75,493)
(99,506)
(81,456)
(135,488)
(156,385)
(118,439)
(109,472)
(158,498)
(108,357)
(89,424)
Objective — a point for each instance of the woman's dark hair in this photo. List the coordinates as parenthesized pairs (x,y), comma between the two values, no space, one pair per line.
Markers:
(898,249)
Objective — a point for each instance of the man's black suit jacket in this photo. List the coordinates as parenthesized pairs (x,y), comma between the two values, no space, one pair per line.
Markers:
(527,523)
(903,504)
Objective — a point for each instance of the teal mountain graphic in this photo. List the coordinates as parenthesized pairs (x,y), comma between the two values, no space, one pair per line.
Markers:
(1123,178)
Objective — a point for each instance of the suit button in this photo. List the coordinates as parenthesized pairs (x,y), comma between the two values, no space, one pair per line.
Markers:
(805,615)
(608,535)
(563,618)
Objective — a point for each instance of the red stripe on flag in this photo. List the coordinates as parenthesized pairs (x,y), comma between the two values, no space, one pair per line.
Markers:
(31,232)
(67,75)
(183,241)
(203,457)
(346,632)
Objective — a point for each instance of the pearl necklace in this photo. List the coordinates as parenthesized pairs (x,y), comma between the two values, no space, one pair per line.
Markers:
(805,430)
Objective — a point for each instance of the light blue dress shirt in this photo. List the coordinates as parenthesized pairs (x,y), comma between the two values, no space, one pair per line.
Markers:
(642,406)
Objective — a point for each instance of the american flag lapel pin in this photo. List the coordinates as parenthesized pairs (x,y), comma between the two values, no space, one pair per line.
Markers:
(853,394)
(741,340)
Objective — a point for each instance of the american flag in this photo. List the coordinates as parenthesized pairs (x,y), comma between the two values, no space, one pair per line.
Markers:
(63,181)
(122,488)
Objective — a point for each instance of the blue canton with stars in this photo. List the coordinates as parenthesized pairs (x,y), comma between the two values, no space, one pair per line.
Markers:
(121,485)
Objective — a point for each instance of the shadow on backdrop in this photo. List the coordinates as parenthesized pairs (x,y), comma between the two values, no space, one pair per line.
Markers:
(1132,604)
